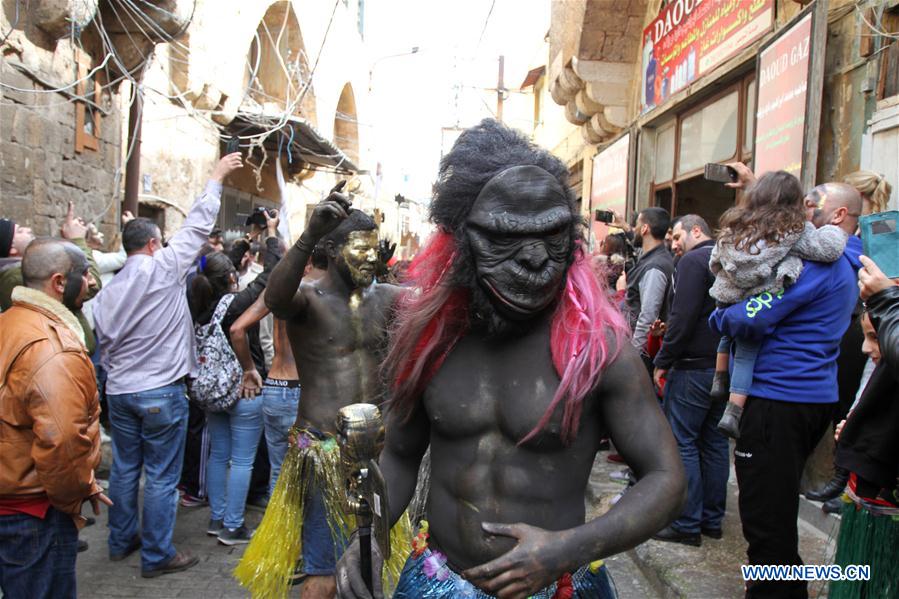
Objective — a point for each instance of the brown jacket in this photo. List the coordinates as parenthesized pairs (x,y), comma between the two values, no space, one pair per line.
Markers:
(49,411)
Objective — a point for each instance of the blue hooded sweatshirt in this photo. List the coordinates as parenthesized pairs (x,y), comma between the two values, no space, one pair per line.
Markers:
(800,330)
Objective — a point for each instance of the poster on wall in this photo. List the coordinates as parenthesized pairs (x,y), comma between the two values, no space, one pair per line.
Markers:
(608,189)
(783,78)
(689,38)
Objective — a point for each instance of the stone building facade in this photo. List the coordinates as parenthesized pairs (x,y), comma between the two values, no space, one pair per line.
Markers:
(287,76)
(41,168)
(596,74)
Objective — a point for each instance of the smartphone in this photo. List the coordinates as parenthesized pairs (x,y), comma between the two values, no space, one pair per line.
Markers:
(604,216)
(720,173)
(233,145)
(880,239)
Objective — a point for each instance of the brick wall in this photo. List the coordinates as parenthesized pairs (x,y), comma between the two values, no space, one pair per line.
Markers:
(40,172)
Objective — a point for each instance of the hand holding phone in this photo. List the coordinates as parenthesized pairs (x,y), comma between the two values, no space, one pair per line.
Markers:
(233,145)
(720,173)
(604,216)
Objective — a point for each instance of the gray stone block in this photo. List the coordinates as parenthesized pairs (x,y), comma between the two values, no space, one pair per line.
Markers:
(75,174)
(16,169)
(13,78)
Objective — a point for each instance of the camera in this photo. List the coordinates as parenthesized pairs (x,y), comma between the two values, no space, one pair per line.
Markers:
(257,217)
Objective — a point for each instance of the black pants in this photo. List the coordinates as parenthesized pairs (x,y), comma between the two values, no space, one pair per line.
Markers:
(776,439)
(196,452)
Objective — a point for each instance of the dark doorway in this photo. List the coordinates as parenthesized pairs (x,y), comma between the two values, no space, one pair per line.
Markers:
(705,198)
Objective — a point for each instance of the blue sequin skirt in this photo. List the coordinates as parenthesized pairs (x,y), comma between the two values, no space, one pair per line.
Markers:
(425,577)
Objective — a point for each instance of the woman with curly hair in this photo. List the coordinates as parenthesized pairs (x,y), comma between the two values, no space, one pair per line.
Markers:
(759,252)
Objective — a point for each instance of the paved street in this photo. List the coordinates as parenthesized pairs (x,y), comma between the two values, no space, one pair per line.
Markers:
(650,571)
(98,578)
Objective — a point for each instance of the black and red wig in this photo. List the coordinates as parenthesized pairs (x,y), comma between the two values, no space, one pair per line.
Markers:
(586,328)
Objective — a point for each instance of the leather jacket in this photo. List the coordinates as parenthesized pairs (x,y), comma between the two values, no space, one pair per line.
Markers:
(49,409)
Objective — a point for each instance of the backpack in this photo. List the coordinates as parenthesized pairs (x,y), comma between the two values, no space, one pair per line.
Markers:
(216,387)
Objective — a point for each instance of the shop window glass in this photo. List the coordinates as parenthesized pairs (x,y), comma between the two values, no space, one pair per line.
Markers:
(664,154)
(709,134)
(749,129)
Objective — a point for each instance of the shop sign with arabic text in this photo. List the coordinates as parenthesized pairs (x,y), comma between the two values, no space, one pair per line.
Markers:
(689,38)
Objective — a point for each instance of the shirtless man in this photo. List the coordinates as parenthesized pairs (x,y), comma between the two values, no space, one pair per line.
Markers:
(281,389)
(336,327)
(532,369)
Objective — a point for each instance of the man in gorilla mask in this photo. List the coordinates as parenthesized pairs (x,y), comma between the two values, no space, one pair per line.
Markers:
(511,363)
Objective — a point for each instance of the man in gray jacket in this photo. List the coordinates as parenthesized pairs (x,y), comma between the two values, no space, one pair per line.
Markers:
(649,279)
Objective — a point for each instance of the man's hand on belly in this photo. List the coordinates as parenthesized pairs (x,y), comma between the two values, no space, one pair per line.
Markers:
(534,563)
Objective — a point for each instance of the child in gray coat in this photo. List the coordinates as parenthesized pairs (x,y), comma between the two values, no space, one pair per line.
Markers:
(760,251)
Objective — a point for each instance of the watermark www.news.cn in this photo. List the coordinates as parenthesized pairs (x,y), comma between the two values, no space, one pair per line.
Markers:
(809,573)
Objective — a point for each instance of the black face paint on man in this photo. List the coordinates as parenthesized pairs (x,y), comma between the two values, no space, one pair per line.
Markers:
(520,235)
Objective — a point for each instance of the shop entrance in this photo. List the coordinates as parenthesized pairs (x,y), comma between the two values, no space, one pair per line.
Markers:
(708,199)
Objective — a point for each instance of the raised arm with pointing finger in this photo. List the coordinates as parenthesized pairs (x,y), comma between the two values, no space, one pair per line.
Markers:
(282,296)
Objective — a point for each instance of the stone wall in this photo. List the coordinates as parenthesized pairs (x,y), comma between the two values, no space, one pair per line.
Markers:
(40,171)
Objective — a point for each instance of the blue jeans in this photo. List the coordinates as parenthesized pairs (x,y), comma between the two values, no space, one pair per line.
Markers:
(321,549)
(37,557)
(148,430)
(234,436)
(694,416)
(743,364)
(279,411)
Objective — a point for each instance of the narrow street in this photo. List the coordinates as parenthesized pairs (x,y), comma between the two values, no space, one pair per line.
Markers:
(653,570)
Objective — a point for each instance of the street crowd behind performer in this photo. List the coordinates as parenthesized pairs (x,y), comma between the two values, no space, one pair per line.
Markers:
(868,447)
(73,229)
(760,250)
(511,363)
(234,433)
(49,424)
(336,325)
(147,339)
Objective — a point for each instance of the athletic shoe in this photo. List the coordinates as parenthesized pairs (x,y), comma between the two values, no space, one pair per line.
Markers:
(215,528)
(191,501)
(235,536)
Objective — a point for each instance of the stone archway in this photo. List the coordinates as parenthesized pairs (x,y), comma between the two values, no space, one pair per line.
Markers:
(346,126)
(278,70)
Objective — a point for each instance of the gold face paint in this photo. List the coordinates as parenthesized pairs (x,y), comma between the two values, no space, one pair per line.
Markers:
(360,254)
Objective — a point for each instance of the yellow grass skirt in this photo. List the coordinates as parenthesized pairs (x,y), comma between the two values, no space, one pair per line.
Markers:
(312,460)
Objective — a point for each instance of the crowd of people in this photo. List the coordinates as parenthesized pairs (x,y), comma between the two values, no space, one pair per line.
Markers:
(513,362)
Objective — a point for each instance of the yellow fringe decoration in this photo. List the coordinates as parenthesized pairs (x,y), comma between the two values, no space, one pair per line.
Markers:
(269,561)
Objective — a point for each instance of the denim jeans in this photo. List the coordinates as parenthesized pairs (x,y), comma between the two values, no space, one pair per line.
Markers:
(148,430)
(743,365)
(37,557)
(279,411)
(693,416)
(234,436)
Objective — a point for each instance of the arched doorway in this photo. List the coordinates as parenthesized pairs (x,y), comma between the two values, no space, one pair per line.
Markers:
(277,64)
(346,127)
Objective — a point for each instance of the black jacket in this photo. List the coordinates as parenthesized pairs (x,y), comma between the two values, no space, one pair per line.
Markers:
(689,342)
(869,443)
